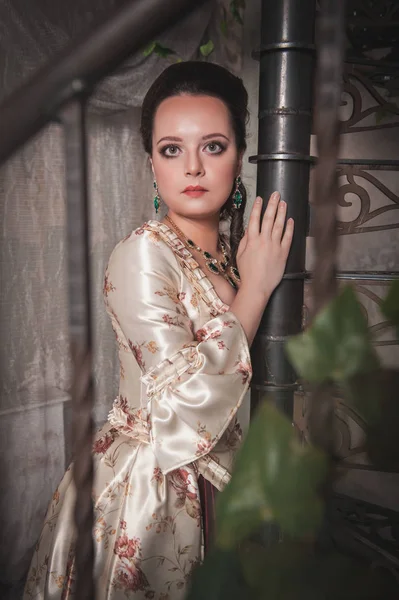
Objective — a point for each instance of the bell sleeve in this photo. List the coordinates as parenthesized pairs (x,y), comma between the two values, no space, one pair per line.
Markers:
(194,381)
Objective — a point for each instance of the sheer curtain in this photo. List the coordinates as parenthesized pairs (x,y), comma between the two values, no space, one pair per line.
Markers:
(34,359)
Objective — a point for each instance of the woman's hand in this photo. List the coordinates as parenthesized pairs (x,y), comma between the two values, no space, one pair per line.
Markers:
(263,251)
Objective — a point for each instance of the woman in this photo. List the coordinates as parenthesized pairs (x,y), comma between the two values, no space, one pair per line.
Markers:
(185,304)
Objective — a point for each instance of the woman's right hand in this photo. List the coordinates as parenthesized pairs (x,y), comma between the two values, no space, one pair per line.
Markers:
(263,251)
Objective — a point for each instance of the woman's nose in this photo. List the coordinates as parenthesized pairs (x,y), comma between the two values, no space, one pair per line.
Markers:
(194,165)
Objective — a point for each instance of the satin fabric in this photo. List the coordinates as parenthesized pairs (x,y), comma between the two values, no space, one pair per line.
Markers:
(184,370)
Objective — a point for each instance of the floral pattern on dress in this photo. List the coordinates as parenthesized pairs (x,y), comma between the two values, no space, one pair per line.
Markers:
(172,321)
(179,562)
(157,475)
(133,422)
(205,333)
(187,494)
(176,297)
(136,348)
(160,435)
(244,367)
(233,436)
(129,576)
(104,441)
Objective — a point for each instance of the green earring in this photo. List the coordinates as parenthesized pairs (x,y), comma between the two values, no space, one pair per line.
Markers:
(157,197)
(237,196)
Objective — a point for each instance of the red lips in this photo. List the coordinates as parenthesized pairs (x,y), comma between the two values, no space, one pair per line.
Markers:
(194,188)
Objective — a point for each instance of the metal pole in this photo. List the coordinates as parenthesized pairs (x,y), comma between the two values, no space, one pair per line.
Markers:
(80,327)
(285,117)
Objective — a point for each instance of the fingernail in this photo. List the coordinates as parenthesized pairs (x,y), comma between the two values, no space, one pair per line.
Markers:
(258,199)
(275,195)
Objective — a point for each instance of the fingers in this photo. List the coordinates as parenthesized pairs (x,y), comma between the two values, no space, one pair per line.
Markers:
(278,225)
(254,219)
(287,237)
(270,214)
(273,222)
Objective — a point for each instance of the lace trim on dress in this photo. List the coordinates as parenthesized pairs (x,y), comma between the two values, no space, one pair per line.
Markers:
(203,284)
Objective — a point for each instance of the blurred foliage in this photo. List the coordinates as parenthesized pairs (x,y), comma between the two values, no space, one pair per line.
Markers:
(290,570)
(236,8)
(278,479)
(337,345)
(275,479)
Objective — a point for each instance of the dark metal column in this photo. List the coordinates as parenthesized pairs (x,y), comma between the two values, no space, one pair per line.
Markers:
(285,102)
(74,121)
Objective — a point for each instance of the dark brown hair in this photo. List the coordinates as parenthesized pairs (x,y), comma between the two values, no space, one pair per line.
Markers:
(204,79)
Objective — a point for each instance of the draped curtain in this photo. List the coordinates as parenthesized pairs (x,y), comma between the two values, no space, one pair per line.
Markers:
(34,349)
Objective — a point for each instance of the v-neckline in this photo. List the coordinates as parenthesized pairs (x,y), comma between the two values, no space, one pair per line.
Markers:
(179,248)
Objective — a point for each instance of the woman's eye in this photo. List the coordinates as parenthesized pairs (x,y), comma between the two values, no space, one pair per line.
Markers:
(170,151)
(215,148)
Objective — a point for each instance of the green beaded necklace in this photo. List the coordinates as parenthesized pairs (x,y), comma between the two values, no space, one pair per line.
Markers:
(215,266)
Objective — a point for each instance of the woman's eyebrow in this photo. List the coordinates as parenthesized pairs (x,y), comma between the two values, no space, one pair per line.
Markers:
(172,138)
(213,135)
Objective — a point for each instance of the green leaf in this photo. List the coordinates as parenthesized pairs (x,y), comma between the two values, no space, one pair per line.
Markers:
(275,479)
(278,561)
(162,50)
(337,345)
(207,49)
(158,49)
(390,306)
(149,49)
(362,393)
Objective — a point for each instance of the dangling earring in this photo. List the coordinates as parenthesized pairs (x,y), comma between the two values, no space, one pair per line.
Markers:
(157,199)
(237,196)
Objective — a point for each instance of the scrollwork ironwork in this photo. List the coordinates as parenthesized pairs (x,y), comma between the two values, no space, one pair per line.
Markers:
(358,113)
(376,329)
(366,214)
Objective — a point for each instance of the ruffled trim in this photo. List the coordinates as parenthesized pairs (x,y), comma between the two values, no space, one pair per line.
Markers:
(184,256)
(133,422)
(171,369)
(216,474)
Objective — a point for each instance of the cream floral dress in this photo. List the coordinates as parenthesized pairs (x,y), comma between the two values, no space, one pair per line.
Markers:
(184,370)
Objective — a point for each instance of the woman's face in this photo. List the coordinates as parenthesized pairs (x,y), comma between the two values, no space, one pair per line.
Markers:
(194,146)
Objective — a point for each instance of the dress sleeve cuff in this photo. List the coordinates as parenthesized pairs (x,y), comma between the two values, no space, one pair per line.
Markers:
(171,369)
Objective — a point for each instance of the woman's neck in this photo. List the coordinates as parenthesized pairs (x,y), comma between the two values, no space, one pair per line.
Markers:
(205,233)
